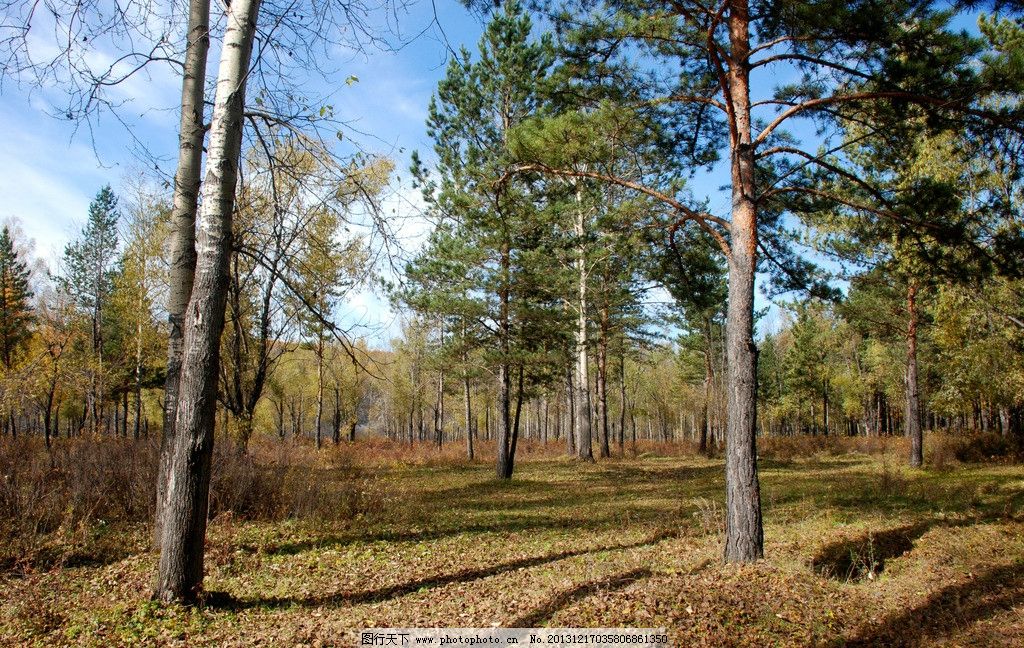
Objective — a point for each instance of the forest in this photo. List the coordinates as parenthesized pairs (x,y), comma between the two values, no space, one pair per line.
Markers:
(692,316)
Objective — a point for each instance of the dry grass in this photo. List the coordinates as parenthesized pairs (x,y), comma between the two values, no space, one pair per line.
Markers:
(89,502)
(860,551)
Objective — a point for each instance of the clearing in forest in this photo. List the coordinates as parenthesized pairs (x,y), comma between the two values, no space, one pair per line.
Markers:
(859,551)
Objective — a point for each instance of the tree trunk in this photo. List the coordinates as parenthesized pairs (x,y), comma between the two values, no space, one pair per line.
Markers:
(583,424)
(244,432)
(744,536)
(602,384)
(319,388)
(191,132)
(184,523)
(469,417)
(124,415)
(913,414)
(137,422)
(48,415)
(504,432)
(279,410)
(570,436)
(622,401)
(709,379)
(439,421)
(824,409)
(336,417)
(510,465)
(881,411)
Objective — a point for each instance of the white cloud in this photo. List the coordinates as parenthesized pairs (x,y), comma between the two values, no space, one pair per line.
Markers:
(47,184)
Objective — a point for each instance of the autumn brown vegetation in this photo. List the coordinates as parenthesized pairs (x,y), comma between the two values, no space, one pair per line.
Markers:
(306,547)
(57,506)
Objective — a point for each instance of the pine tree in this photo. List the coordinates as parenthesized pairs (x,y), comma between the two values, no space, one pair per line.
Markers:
(15,300)
(685,262)
(496,224)
(90,264)
(709,70)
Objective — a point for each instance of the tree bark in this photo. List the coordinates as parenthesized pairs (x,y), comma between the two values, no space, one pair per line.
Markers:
(191,133)
(570,436)
(469,417)
(709,379)
(583,423)
(504,432)
(319,389)
(336,418)
(439,421)
(744,535)
(602,384)
(622,401)
(825,409)
(510,464)
(913,413)
(137,425)
(48,415)
(184,523)
(124,415)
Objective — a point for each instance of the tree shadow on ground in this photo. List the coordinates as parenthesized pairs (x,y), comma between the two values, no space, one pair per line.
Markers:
(802,465)
(953,608)
(224,600)
(856,559)
(648,480)
(563,599)
(515,525)
(107,549)
(865,556)
(881,493)
(18,567)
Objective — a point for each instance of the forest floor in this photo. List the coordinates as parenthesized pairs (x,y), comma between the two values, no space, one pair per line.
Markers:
(859,551)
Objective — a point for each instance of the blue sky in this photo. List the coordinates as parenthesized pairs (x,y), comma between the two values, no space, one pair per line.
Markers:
(50,168)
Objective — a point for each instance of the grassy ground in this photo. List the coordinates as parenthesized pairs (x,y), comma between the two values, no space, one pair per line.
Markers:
(860,551)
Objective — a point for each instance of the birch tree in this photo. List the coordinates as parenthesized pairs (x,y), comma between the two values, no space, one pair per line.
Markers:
(184,518)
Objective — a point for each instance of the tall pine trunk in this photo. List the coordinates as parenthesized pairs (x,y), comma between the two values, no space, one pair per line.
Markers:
(602,384)
(570,435)
(510,464)
(709,379)
(622,400)
(913,413)
(744,536)
(469,418)
(439,420)
(469,402)
(184,516)
(183,223)
(504,431)
(583,424)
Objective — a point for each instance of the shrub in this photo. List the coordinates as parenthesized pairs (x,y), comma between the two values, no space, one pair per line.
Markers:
(61,506)
(983,447)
